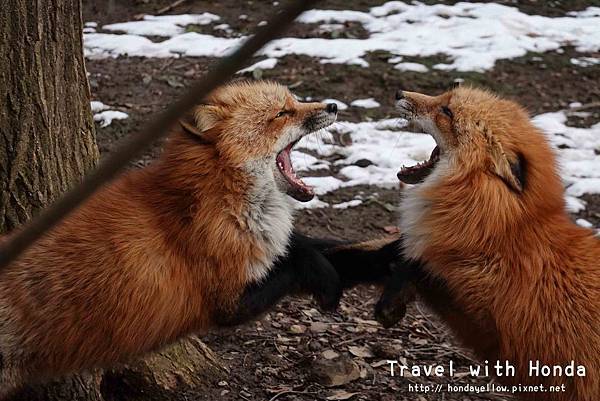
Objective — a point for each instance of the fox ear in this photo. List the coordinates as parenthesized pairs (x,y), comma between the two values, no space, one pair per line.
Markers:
(188,123)
(512,172)
(201,119)
(207,116)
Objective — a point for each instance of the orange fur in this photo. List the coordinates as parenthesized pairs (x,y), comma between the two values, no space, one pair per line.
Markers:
(523,281)
(151,256)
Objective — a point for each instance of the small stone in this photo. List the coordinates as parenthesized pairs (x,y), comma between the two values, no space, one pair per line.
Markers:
(330,354)
(318,327)
(314,346)
(363,163)
(297,329)
(335,372)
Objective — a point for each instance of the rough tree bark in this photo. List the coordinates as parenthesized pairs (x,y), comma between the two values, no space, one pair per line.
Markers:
(47,143)
(46,132)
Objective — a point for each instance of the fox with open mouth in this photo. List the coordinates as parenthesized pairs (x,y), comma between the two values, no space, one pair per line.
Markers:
(201,237)
(494,252)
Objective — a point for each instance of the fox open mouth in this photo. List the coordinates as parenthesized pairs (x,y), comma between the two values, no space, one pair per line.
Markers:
(418,173)
(299,190)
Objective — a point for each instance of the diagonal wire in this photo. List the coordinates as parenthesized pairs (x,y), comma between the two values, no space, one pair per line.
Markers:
(133,146)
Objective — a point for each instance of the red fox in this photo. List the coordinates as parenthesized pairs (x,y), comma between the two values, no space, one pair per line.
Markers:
(502,262)
(200,237)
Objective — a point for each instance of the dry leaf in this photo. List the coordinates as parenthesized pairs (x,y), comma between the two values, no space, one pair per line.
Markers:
(297,329)
(362,352)
(330,354)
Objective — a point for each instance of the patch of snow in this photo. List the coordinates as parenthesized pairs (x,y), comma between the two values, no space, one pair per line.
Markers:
(587,13)
(332,16)
(577,152)
(584,223)
(585,61)
(379,142)
(97,106)
(266,64)
(314,203)
(346,205)
(416,67)
(191,44)
(304,162)
(369,103)
(323,185)
(223,27)
(105,118)
(162,25)
(574,205)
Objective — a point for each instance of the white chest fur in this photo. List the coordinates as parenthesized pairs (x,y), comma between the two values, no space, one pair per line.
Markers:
(414,208)
(270,218)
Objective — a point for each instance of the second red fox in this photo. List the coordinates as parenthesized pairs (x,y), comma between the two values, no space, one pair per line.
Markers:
(496,254)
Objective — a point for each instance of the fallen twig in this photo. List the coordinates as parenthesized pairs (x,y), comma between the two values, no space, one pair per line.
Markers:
(171,6)
(282,393)
(586,106)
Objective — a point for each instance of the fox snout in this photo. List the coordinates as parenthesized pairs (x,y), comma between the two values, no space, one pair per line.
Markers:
(413,105)
(320,117)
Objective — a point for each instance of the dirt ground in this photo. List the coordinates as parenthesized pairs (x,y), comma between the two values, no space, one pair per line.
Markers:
(280,356)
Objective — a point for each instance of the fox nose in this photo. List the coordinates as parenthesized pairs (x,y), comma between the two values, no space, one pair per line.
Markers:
(331,108)
(399,95)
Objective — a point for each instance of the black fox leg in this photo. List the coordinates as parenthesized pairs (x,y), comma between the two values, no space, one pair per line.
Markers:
(259,297)
(363,262)
(377,261)
(399,291)
(303,270)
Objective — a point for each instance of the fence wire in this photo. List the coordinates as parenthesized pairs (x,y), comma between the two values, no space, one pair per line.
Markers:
(132,147)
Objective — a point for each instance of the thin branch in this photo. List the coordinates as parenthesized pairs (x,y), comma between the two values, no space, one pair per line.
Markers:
(586,106)
(133,146)
(170,7)
(285,392)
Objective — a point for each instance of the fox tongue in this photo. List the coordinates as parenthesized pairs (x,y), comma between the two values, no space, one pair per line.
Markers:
(298,189)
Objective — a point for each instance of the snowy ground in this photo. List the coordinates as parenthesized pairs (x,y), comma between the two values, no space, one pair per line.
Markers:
(387,147)
(472,36)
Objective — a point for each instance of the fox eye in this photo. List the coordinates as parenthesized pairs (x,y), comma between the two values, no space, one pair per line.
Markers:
(447,111)
(281,114)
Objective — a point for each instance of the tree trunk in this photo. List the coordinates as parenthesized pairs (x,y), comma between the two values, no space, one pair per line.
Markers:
(47,143)
(185,366)
(47,139)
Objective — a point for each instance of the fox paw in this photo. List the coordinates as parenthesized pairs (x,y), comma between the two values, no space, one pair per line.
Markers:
(391,307)
(389,314)
(320,279)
